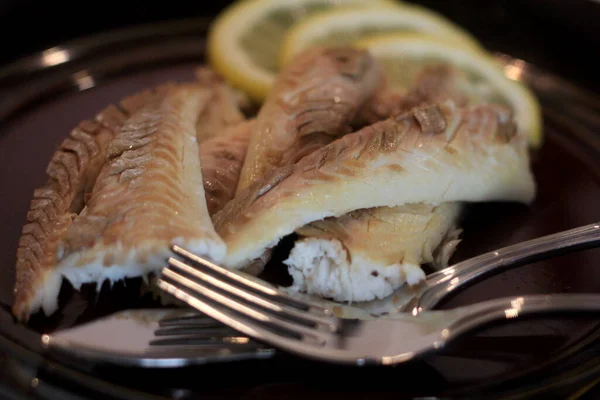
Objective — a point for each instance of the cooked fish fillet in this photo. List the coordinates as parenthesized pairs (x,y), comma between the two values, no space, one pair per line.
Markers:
(207,76)
(224,109)
(369,253)
(149,195)
(313,101)
(441,152)
(221,158)
(72,173)
(223,134)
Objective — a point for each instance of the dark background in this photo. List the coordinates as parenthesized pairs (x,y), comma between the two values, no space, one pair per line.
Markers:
(559,35)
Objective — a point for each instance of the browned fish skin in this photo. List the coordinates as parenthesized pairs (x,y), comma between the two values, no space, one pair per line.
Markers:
(434,84)
(222,158)
(148,195)
(223,111)
(397,151)
(312,103)
(223,134)
(71,172)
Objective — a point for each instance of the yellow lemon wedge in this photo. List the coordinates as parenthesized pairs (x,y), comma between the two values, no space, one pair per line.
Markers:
(244,40)
(346,24)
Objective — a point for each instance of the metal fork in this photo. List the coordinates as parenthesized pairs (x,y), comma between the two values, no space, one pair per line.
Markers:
(310,328)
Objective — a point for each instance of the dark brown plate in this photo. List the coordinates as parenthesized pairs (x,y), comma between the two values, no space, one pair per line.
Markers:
(45,96)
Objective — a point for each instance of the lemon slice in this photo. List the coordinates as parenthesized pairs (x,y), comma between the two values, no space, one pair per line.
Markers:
(244,40)
(345,25)
(403,55)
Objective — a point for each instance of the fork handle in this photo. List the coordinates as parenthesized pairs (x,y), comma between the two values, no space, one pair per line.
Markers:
(443,283)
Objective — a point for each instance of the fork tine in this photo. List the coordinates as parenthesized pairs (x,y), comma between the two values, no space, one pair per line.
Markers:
(278,309)
(197,320)
(304,304)
(199,330)
(229,318)
(259,318)
(195,340)
(192,330)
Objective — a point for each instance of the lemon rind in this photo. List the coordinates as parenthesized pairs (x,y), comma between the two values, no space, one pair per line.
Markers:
(305,32)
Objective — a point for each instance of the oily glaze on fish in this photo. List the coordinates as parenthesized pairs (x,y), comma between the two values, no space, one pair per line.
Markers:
(148,196)
(222,158)
(440,152)
(72,173)
(369,253)
(313,101)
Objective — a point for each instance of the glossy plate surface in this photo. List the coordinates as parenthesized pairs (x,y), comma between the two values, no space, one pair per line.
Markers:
(45,96)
